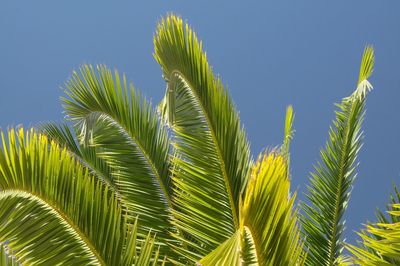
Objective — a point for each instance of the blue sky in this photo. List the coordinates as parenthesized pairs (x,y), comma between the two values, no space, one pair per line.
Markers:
(269,54)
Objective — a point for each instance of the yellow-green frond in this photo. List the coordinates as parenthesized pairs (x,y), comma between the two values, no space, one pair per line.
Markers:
(367,64)
(380,242)
(269,233)
(211,150)
(288,133)
(269,214)
(228,253)
(52,212)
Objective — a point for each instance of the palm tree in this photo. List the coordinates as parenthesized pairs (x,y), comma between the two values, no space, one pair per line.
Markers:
(123,183)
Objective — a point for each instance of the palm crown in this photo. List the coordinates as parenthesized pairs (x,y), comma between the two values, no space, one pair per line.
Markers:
(131,184)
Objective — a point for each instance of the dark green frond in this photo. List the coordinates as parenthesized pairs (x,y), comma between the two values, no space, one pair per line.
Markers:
(330,184)
(123,128)
(211,152)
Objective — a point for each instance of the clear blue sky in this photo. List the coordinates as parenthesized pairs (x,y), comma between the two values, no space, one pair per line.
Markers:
(269,53)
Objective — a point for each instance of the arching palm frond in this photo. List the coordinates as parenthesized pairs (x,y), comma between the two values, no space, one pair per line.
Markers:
(52,212)
(211,152)
(125,132)
(330,184)
(269,233)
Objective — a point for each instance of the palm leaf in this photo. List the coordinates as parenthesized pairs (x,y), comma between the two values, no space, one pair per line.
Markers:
(269,233)
(330,184)
(87,155)
(380,243)
(211,152)
(53,213)
(288,133)
(125,132)
(228,253)
(375,236)
(383,217)
(269,215)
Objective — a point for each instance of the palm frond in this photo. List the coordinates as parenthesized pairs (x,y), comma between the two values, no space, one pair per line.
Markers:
(369,250)
(268,213)
(288,133)
(386,217)
(53,212)
(87,155)
(380,243)
(330,184)
(123,128)
(211,152)
(269,232)
(228,253)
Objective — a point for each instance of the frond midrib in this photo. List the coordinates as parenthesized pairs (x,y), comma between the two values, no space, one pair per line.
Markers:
(258,255)
(63,218)
(217,148)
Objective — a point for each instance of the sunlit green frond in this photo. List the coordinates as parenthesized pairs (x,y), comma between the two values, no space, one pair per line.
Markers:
(387,217)
(142,251)
(331,182)
(269,232)
(288,133)
(211,155)
(86,154)
(52,212)
(268,213)
(124,129)
(380,243)
(228,253)
(33,227)
(371,249)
